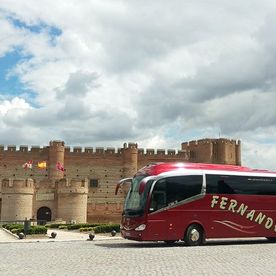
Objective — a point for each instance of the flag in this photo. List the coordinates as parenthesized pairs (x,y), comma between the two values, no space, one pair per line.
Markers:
(60,167)
(28,165)
(42,165)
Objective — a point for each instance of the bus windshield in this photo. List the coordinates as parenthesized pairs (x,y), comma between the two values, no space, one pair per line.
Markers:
(135,202)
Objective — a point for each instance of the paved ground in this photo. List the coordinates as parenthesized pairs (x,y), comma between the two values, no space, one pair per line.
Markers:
(62,235)
(115,256)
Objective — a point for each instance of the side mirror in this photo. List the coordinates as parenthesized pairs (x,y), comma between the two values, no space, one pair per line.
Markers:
(120,183)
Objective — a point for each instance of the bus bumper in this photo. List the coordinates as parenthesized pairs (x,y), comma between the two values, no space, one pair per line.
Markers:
(132,235)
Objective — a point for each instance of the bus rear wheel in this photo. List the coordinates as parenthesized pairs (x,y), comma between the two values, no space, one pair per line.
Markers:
(194,235)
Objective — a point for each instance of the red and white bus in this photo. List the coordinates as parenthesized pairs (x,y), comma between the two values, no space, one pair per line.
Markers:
(193,202)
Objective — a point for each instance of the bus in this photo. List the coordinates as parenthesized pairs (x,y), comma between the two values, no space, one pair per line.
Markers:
(192,202)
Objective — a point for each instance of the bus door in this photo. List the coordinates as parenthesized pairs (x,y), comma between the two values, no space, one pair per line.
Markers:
(157,217)
(166,217)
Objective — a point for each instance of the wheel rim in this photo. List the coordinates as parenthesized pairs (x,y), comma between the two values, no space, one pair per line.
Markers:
(194,235)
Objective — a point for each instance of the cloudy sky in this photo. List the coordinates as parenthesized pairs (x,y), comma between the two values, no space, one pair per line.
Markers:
(104,72)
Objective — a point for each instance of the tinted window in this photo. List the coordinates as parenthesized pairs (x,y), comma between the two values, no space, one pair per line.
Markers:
(229,184)
(171,190)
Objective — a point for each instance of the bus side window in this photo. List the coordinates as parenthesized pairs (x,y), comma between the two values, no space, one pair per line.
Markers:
(153,203)
(158,201)
(224,188)
(159,196)
(182,187)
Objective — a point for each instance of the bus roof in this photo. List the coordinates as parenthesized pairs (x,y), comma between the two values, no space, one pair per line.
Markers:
(158,168)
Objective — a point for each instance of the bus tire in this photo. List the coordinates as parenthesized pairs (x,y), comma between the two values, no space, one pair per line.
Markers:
(194,235)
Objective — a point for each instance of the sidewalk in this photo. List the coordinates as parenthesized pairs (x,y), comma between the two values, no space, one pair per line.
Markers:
(6,237)
(62,235)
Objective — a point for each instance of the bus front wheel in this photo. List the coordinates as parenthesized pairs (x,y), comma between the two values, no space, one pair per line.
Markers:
(194,235)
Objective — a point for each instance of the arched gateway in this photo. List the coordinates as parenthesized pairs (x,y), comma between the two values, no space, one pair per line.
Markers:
(44,214)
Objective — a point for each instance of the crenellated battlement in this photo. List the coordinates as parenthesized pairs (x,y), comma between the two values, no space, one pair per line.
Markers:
(56,143)
(130,145)
(18,186)
(160,152)
(194,143)
(11,148)
(87,152)
(72,186)
(22,148)
(227,141)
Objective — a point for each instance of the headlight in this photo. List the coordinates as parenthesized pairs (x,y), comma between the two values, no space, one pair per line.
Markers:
(141,227)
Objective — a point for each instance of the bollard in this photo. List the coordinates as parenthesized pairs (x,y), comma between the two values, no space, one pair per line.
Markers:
(21,235)
(91,236)
(113,233)
(53,235)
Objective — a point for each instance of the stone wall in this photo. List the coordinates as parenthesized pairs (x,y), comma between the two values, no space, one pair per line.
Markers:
(102,167)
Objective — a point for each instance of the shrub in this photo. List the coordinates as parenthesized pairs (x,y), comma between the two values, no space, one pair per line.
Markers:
(63,227)
(76,226)
(81,225)
(34,229)
(37,230)
(106,228)
(54,225)
(17,230)
(12,226)
(86,229)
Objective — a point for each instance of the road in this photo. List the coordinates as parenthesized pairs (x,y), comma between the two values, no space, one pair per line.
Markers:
(121,257)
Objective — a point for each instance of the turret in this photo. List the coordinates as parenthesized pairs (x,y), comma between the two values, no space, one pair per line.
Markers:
(72,200)
(17,199)
(56,155)
(130,159)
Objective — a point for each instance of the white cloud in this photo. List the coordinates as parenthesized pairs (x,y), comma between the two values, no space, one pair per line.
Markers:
(16,105)
(259,156)
(156,73)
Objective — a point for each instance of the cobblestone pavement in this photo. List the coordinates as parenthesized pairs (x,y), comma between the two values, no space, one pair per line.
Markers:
(122,257)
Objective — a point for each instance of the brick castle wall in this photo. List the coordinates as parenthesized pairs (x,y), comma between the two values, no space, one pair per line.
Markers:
(105,165)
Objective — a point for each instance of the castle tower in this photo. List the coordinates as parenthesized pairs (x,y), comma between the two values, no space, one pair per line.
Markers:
(228,152)
(200,151)
(17,199)
(221,151)
(130,159)
(56,154)
(217,151)
(72,200)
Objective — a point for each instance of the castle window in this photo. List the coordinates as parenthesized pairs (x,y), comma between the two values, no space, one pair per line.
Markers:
(94,183)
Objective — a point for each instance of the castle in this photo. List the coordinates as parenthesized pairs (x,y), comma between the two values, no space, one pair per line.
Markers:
(84,190)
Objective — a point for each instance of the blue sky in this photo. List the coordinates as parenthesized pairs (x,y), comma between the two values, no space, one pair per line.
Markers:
(10,85)
(101,73)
